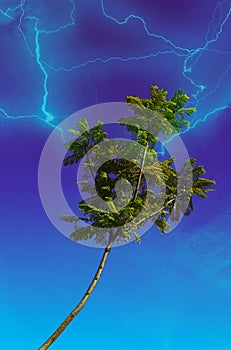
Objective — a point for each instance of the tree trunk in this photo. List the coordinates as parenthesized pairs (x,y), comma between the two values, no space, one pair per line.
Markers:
(81,304)
(141,172)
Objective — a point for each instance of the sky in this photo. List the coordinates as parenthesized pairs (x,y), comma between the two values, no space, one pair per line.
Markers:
(170,292)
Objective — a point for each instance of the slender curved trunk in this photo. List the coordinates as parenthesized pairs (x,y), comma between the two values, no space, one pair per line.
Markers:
(141,172)
(81,304)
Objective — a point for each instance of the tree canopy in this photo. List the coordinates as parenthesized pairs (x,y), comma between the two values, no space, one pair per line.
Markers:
(148,186)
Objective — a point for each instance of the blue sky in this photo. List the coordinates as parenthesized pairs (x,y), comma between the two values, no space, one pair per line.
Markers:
(171,292)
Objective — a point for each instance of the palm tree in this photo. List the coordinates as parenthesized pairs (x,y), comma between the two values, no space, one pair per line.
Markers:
(119,225)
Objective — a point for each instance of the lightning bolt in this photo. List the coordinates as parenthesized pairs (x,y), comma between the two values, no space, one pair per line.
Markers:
(191,56)
(49,118)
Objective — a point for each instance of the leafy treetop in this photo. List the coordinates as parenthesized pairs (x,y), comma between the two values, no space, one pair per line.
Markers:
(116,215)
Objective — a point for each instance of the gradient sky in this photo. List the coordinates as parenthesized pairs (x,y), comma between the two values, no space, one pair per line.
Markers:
(172,292)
